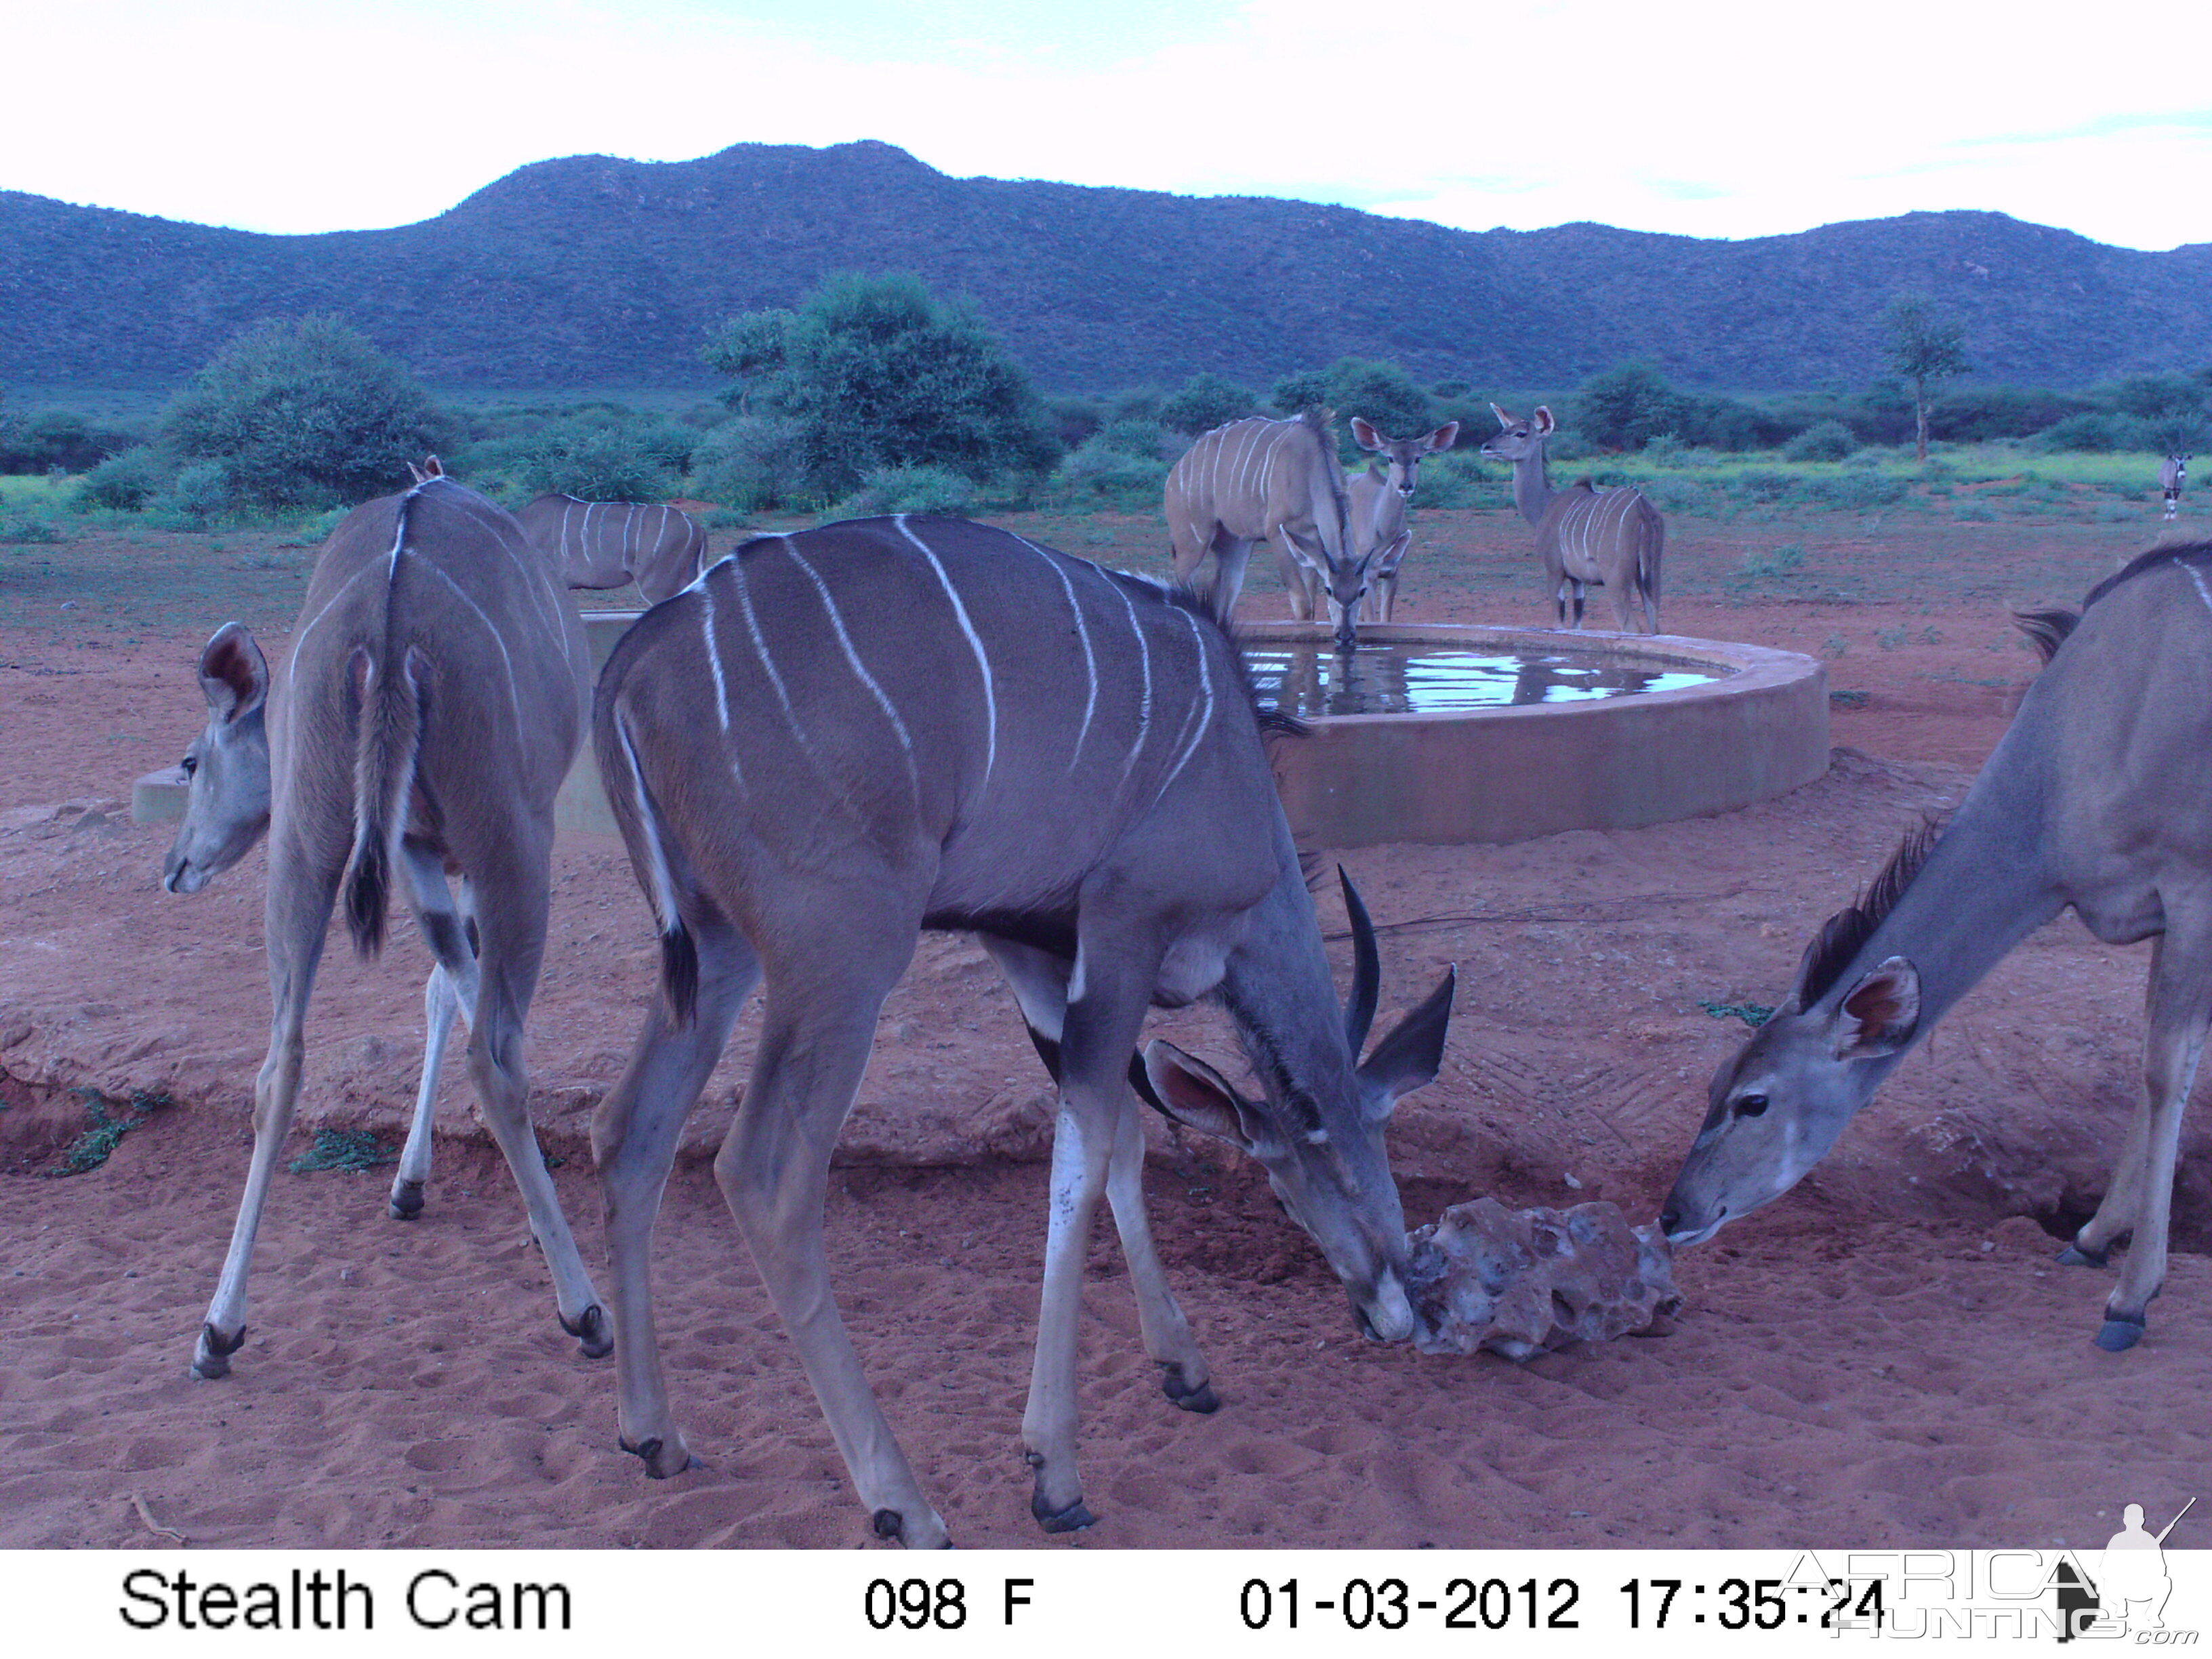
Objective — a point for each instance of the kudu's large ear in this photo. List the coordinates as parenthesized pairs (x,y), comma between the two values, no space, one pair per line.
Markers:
(233,675)
(1366,969)
(1196,1096)
(1505,421)
(1410,1056)
(1387,562)
(1544,425)
(1444,437)
(1878,1014)
(1365,434)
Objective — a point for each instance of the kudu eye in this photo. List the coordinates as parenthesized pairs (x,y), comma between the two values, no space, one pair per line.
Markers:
(190,764)
(1750,1105)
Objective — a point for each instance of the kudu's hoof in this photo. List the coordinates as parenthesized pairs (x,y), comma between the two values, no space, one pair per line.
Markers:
(592,1329)
(2119,1332)
(1074,1518)
(406,1201)
(660,1460)
(889,1524)
(1201,1399)
(2074,1255)
(211,1358)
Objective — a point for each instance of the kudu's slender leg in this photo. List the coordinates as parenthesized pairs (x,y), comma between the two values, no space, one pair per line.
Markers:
(633,1137)
(1111,989)
(452,991)
(1039,985)
(301,889)
(773,1170)
(2180,1008)
(511,895)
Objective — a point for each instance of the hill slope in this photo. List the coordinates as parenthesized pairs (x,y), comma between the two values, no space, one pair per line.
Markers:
(591,271)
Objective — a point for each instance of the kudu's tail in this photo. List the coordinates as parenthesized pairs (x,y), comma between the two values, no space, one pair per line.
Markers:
(395,704)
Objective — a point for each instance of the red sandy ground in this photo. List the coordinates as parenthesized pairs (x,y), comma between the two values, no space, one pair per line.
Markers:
(1887,1356)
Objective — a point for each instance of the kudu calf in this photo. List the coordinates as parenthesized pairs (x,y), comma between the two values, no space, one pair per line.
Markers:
(1379,495)
(2173,472)
(1586,537)
(1258,480)
(434,695)
(605,543)
(838,739)
(2098,797)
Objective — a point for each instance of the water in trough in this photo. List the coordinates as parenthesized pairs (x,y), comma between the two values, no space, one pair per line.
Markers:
(1414,677)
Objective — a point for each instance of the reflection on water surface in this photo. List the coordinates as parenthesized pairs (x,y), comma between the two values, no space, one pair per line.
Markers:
(1309,680)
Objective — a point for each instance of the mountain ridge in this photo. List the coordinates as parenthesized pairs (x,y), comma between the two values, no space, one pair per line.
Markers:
(586,272)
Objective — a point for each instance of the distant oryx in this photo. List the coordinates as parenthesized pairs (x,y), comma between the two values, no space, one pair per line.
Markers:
(1586,537)
(434,695)
(2098,798)
(1278,481)
(2171,475)
(841,738)
(1379,532)
(605,543)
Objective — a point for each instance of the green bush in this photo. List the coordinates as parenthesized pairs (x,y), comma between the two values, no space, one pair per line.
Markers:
(200,492)
(1760,486)
(1204,402)
(28,529)
(1101,474)
(908,490)
(2097,434)
(124,483)
(598,458)
(1380,392)
(1829,441)
(303,413)
(1855,492)
(1627,407)
(747,463)
(1459,480)
(877,372)
(58,439)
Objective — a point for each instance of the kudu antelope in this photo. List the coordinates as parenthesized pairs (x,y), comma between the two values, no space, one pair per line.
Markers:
(1258,480)
(838,739)
(1379,495)
(605,543)
(434,695)
(1586,537)
(2098,797)
(2173,472)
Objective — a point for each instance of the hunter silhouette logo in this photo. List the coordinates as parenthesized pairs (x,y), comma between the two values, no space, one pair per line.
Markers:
(2129,1592)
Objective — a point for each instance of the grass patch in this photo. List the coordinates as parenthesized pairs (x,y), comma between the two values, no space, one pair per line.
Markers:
(104,1128)
(354,1151)
(1849,699)
(1753,1014)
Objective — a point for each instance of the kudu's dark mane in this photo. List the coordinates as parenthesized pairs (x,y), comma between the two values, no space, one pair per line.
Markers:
(1845,934)
(2048,629)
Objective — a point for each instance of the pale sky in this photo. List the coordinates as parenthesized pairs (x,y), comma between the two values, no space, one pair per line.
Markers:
(1705,117)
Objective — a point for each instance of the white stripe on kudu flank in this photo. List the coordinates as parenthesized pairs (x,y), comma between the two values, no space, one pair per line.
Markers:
(715,659)
(760,646)
(960,611)
(1206,719)
(853,657)
(664,890)
(1082,633)
(2202,591)
(515,700)
(1144,668)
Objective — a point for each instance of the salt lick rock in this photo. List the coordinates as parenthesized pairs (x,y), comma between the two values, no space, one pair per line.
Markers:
(1518,1282)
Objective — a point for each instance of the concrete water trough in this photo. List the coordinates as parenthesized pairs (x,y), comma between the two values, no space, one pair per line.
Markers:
(1493,734)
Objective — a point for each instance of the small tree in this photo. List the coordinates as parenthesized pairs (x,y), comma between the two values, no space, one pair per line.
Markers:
(1626,408)
(301,412)
(1205,401)
(1926,349)
(875,372)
